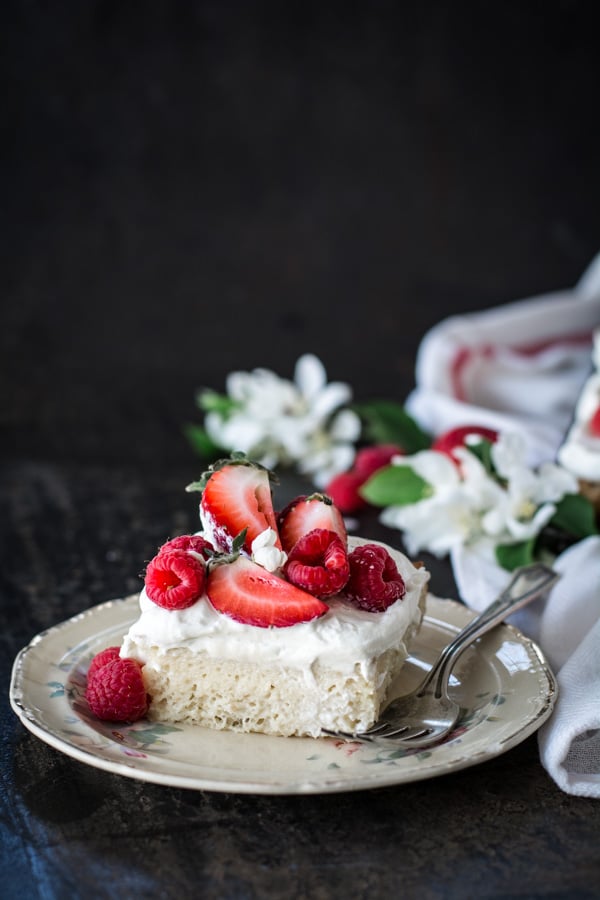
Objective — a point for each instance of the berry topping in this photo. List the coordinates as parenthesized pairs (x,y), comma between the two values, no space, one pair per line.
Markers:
(306,513)
(374,582)
(344,491)
(175,579)
(594,423)
(318,563)
(193,543)
(237,496)
(116,692)
(370,459)
(248,593)
(102,658)
(461,437)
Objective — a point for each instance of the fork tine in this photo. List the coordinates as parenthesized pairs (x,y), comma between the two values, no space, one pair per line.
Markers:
(399,733)
(349,735)
(378,727)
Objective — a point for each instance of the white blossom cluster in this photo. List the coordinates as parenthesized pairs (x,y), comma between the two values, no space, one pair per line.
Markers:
(280,422)
(465,503)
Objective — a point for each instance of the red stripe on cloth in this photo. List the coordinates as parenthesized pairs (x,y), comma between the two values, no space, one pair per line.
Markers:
(465,355)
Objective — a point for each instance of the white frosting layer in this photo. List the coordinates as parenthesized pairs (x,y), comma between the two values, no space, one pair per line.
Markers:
(580,453)
(343,637)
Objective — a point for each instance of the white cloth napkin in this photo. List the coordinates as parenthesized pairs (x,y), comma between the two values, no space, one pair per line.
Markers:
(520,367)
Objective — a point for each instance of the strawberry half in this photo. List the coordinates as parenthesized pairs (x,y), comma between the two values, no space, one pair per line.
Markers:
(237,496)
(306,513)
(246,592)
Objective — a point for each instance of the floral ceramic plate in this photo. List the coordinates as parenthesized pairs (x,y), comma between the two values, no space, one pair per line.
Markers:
(502,683)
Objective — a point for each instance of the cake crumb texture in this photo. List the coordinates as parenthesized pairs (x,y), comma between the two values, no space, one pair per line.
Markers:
(271,699)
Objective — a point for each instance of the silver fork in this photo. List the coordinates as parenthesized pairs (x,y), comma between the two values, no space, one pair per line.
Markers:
(428,714)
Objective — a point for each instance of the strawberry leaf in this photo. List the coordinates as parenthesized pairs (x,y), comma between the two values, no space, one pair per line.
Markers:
(211,401)
(239,541)
(387,422)
(395,486)
(575,515)
(511,556)
(200,442)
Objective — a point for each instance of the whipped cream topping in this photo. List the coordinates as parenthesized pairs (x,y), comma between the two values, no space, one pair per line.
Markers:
(580,453)
(343,637)
(265,553)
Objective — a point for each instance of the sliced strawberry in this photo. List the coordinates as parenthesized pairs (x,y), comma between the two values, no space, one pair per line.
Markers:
(237,496)
(306,513)
(246,592)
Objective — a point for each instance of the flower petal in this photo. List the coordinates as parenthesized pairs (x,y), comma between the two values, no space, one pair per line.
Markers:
(329,399)
(310,375)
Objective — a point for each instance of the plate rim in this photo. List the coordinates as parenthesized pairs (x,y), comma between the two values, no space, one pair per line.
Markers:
(388,778)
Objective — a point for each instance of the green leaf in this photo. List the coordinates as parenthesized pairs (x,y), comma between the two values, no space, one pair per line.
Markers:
(511,556)
(395,486)
(575,515)
(239,541)
(387,422)
(200,442)
(482,449)
(211,401)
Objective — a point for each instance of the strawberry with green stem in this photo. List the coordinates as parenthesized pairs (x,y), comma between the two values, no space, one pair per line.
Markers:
(236,496)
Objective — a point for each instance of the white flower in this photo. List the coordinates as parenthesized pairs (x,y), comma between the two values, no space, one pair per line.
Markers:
(528,502)
(451,515)
(468,505)
(508,453)
(265,553)
(275,421)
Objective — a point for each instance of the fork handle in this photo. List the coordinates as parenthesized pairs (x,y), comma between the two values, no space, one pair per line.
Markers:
(527,583)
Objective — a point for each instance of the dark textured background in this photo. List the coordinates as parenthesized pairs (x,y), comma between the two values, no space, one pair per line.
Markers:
(189,188)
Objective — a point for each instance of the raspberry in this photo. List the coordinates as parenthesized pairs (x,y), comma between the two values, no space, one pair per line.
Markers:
(374,582)
(101,659)
(116,691)
(318,563)
(343,490)
(193,543)
(370,459)
(175,579)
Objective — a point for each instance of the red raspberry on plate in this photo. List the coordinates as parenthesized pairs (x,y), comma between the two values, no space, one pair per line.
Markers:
(175,579)
(375,582)
(102,658)
(318,563)
(116,692)
(190,542)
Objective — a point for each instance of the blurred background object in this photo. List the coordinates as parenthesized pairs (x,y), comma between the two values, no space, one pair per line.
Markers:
(191,188)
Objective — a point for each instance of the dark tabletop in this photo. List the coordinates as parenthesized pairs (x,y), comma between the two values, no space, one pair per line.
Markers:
(199,187)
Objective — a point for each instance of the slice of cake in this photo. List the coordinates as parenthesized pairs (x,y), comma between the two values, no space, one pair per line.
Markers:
(286,628)
(580,453)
